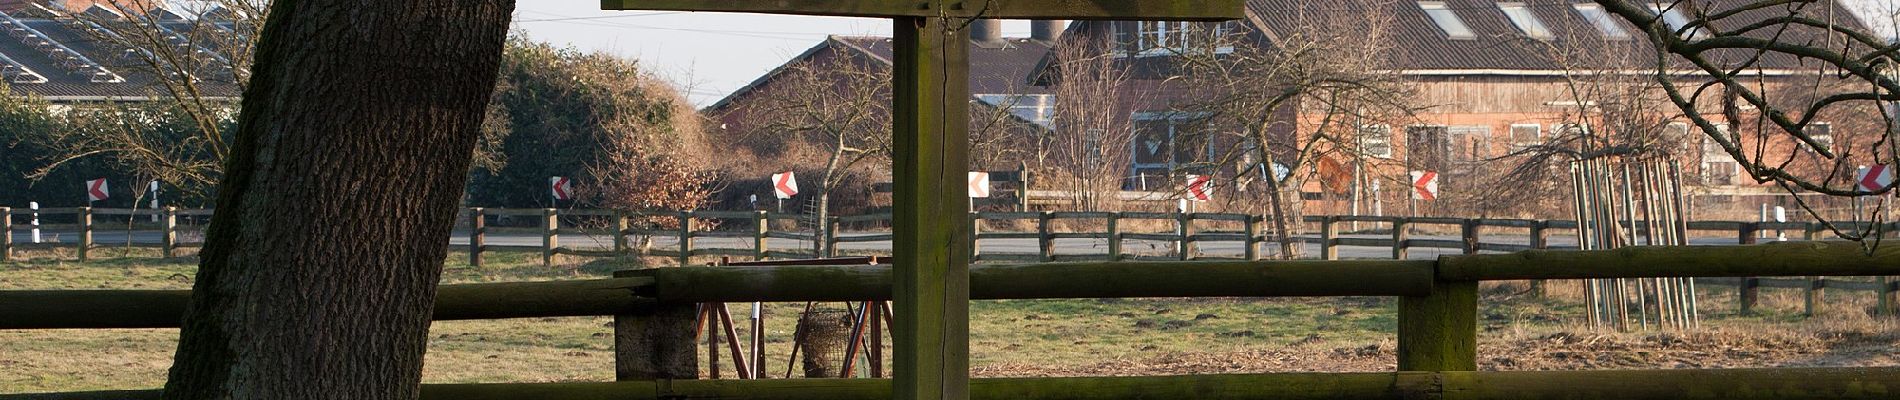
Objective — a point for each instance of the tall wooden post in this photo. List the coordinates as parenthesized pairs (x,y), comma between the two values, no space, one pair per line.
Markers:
(1022,186)
(550,237)
(169,237)
(655,341)
(85,233)
(1439,332)
(760,225)
(1817,286)
(930,150)
(477,234)
(976,235)
(1114,237)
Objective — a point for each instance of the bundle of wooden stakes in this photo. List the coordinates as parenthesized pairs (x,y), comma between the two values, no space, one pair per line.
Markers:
(1629,202)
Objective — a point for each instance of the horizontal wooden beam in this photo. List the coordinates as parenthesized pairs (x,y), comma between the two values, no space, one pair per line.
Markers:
(1735,384)
(1773,259)
(1059,280)
(1203,10)
(73,309)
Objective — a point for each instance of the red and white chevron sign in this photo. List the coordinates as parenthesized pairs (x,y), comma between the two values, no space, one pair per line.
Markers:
(1200,187)
(979,184)
(1424,185)
(1872,178)
(96,190)
(563,188)
(784,185)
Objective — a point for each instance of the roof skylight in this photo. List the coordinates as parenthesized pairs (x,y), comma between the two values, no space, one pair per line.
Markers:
(1447,20)
(1525,20)
(1601,19)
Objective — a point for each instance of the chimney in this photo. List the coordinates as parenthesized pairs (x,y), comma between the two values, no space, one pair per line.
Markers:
(987,33)
(1047,30)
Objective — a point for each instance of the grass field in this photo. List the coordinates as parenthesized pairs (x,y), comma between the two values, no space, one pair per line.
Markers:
(1008,338)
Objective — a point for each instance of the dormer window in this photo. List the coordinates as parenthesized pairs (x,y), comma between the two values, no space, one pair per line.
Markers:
(1525,20)
(1446,20)
(1673,18)
(1601,19)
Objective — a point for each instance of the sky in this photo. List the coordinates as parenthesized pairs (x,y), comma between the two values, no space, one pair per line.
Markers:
(707,54)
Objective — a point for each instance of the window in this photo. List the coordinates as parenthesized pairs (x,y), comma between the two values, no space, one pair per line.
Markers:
(1428,147)
(1822,133)
(1037,108)
(1525,20)
(1160,35)
(1601,19)
(1447,20)
(1718,168)
(1467,143)
(1568,129)
(1152,38)
(1375,141)
(1673,18)
(1526,135)
(1166,142)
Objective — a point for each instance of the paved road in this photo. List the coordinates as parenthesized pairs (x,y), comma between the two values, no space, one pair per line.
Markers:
(106,237)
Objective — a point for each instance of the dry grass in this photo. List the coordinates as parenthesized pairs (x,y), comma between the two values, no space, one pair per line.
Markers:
(1013,337)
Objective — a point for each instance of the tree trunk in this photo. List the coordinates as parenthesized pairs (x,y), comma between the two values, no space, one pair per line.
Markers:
(318,274)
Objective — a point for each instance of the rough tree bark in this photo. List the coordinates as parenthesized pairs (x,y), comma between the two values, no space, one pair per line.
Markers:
(319,270)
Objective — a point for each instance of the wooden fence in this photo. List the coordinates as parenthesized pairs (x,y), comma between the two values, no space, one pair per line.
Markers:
(655,345)
(1182,236)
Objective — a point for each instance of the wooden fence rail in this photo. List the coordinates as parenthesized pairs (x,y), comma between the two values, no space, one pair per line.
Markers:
(1437,337)
(1184,237)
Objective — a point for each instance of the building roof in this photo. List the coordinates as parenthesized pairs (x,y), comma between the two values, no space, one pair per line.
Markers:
(65,60)
(1499,46)
(1001,68)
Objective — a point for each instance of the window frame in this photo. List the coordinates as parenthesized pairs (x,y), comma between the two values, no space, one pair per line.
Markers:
(1383,134)
(1600,18)
(1525,20)
(1441,14)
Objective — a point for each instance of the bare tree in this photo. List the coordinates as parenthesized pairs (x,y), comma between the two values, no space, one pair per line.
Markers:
(838,109)
(1089,155)
(1732,46)
(1329,70)
(198,64)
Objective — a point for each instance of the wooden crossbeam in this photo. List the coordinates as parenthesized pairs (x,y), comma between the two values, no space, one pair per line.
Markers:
(1205,10)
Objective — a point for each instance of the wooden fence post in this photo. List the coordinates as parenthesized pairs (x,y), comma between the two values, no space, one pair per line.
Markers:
(1114,237)
(169,237)
(1253,242)
(6,233)
(85,233)
(1329,237)
(1439,331)
(1750,290)
(1885,299)
(831,237)
(1540,240)
(1817,286)
(760,225)
(622,245)
(1022,186)
(655,341)
(1045,240)
(550,235)
(1184,231)
(976,232)
(1399,237)
(686,238)
(1468,230)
